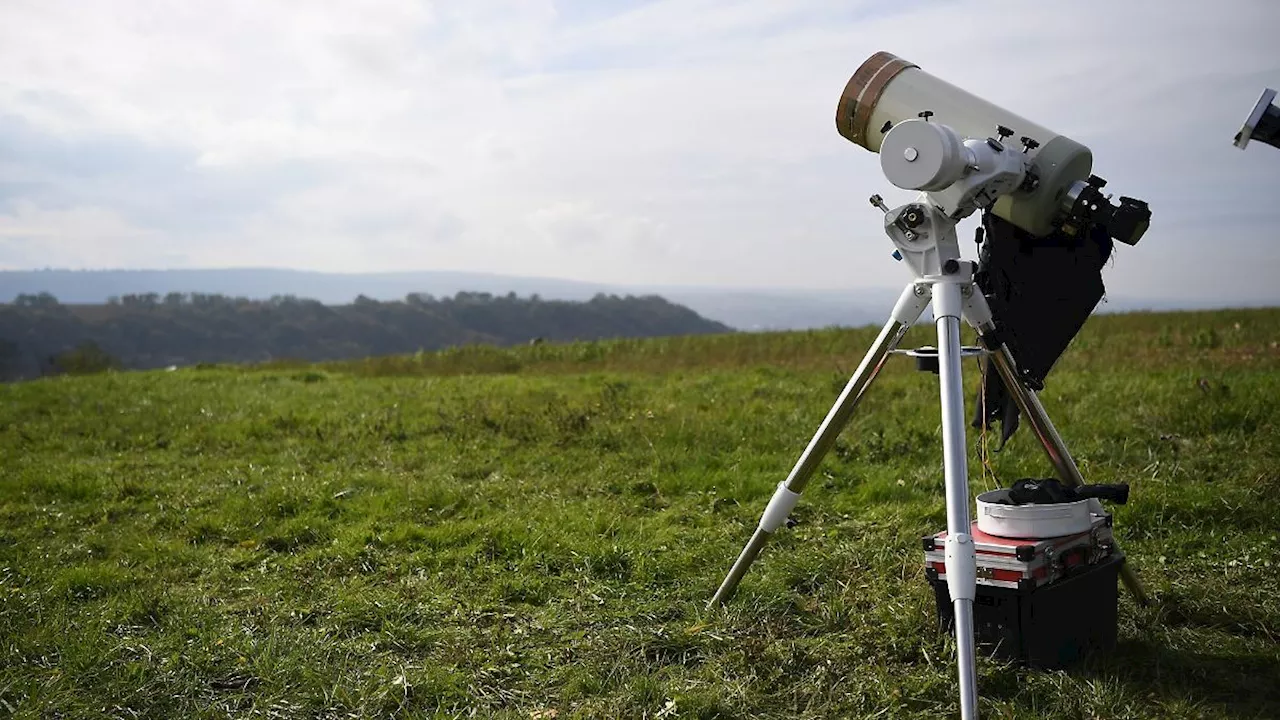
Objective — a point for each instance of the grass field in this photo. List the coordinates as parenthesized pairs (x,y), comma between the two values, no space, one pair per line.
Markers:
(533,533)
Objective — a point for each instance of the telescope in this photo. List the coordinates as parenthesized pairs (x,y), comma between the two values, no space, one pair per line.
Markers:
(1262,124)
(1058,191)
(1047,236)
(1047,230)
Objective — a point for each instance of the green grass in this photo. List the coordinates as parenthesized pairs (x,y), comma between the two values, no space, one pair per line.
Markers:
(533,533)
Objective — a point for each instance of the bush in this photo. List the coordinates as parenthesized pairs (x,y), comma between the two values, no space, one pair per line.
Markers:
(86,358)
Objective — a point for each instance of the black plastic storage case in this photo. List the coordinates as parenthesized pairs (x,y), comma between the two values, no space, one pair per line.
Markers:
(1049,626)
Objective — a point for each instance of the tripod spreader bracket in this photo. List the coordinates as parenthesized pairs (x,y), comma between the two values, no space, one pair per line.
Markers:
(779,508)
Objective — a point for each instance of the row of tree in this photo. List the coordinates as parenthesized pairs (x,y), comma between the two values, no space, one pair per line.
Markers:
(40,336)
(178,299)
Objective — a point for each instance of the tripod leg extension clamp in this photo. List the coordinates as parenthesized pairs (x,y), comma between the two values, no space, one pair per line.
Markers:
(779,508)
(961,567)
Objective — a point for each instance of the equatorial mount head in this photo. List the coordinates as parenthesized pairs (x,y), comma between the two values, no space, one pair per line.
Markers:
(962,175)
(959,175)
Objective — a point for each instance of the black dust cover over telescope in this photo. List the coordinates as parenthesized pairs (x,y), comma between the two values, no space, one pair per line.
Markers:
(1041,291)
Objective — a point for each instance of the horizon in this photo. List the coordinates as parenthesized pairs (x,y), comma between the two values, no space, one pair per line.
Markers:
(867,294)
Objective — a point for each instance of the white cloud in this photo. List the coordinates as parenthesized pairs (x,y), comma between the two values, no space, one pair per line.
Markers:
(80,237)
(684,141)
(579,227)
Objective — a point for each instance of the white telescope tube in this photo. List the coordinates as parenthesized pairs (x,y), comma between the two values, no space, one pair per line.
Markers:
(885,90)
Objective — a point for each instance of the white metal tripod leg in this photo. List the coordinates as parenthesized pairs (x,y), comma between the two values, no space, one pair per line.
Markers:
(961,561)
(912,302)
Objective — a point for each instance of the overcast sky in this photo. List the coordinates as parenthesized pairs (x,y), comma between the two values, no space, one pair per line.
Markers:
(686,142)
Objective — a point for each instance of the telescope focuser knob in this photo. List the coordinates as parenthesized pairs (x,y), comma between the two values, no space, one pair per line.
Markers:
(1029,144)
(926,114)
(1003,132)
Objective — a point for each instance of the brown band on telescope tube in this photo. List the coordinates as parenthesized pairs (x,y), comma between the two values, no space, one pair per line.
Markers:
(863,92)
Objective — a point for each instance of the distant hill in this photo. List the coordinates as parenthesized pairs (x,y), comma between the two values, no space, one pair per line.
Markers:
(40,335)
(747,309)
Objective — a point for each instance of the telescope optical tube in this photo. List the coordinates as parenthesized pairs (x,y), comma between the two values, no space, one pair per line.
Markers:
(886,90)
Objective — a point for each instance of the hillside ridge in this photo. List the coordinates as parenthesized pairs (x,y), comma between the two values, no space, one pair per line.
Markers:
(40,335)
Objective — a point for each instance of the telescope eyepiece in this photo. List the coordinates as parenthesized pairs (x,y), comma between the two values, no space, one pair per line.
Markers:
(1086,206)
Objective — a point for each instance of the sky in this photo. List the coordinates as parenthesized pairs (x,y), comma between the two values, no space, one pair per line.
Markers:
(683,142)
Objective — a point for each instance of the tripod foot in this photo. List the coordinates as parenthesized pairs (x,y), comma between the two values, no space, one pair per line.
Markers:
(740,566)
(1131,581)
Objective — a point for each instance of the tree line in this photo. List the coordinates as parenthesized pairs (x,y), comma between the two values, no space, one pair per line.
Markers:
(41,336)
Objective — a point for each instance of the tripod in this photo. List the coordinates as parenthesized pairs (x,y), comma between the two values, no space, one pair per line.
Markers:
(926,239)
